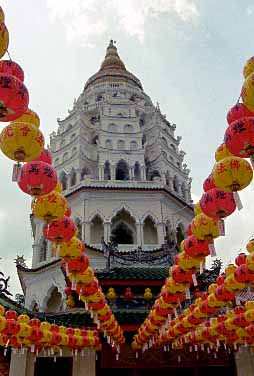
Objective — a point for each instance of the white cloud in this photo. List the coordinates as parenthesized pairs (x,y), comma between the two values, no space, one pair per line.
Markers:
(84,21)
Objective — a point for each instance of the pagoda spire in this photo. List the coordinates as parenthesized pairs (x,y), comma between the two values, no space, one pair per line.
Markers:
(112,59)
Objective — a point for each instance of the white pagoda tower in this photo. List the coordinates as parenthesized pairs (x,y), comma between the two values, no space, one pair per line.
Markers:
(122,172)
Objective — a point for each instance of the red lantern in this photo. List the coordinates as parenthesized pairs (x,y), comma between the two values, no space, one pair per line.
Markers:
(56,338)
(242,274)
(68,290)
(241,259)
(12,327)
(37,178)
(195,247)
(36,334)
(14,96)
(45,156)
(11,315)
(238,112)
(209,183)
(11,68)
(217,204)
(181,276)
(91,288)
(78,264)
(128,293)
(61,230)
(239,137)
(35,323)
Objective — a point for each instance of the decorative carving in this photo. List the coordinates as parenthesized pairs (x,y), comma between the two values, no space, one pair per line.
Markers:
(21,261)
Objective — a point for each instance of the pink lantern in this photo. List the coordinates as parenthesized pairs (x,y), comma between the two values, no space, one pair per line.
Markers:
(37,178)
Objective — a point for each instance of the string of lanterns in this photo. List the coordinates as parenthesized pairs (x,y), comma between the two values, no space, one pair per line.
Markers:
(231,173)
(20,332)
(23,141)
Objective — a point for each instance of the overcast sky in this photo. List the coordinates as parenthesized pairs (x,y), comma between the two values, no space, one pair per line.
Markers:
(189,55)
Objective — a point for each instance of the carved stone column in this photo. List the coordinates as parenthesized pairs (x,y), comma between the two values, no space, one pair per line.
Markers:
(86,365)
(87,229)
(113,172)
(101,173)
(160,232)
(78,174)
(140,236)
(244,361)
(170,183)
(132,173)
(107,231)
(163,177)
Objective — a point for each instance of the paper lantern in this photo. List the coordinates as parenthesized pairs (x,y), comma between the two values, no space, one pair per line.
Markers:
(4,38)
(14,97)
(61,230)
(232,174)
(78,264)
(249,67)
(239,137)
(37,178)
(217,204)
(250,246)
(205,228)
(247,92)
(45,156)
(50,207)
(222,152)
(30,117)
(2,15)
(9,67)
(241,259)
(21,142)
(238,112)
(70,249)
(181,276)
(195,247)
(209,183)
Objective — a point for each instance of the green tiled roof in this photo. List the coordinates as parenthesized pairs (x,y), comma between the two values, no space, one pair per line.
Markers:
(145,274)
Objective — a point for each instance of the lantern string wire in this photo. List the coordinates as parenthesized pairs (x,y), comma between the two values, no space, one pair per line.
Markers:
(238,100)
(9,55)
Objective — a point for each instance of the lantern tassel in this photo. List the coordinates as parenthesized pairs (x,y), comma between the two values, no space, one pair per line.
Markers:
(212,249)
(187,293)
(221,225)
(16,172)
(238,201)
(194,279)
(201,267)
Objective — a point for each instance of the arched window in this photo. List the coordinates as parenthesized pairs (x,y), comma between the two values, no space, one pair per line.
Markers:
(133,145)
(122,170)
(63,180)
(137,172)
(108,144)
(154,174)
(169,231)
(179,233)
(65,156)
(43,249)
(120,145)
(107,173)
(164,141)
(112,127)
(150,231)
(97,230)
(73,177)
(74,151)
(62,143)
(143,140)
(123,228)
(54,302)
(176,184)
(128,128)
(85,171)
(95,140)
(173,147)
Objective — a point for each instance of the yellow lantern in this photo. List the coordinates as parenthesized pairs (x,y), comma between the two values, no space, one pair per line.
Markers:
(70,302)
(50,207)
(148,294)
(247,92)
(250,246)
(22,142)
(205,228)
(222,152)
(232,174)
(249,67)
(86,277)
(29,116)
(111,294)
(4,38)
(2,15)
(188,263)
(71,249)
(197,208)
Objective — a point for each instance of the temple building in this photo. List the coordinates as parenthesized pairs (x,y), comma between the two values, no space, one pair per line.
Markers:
(124,176)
